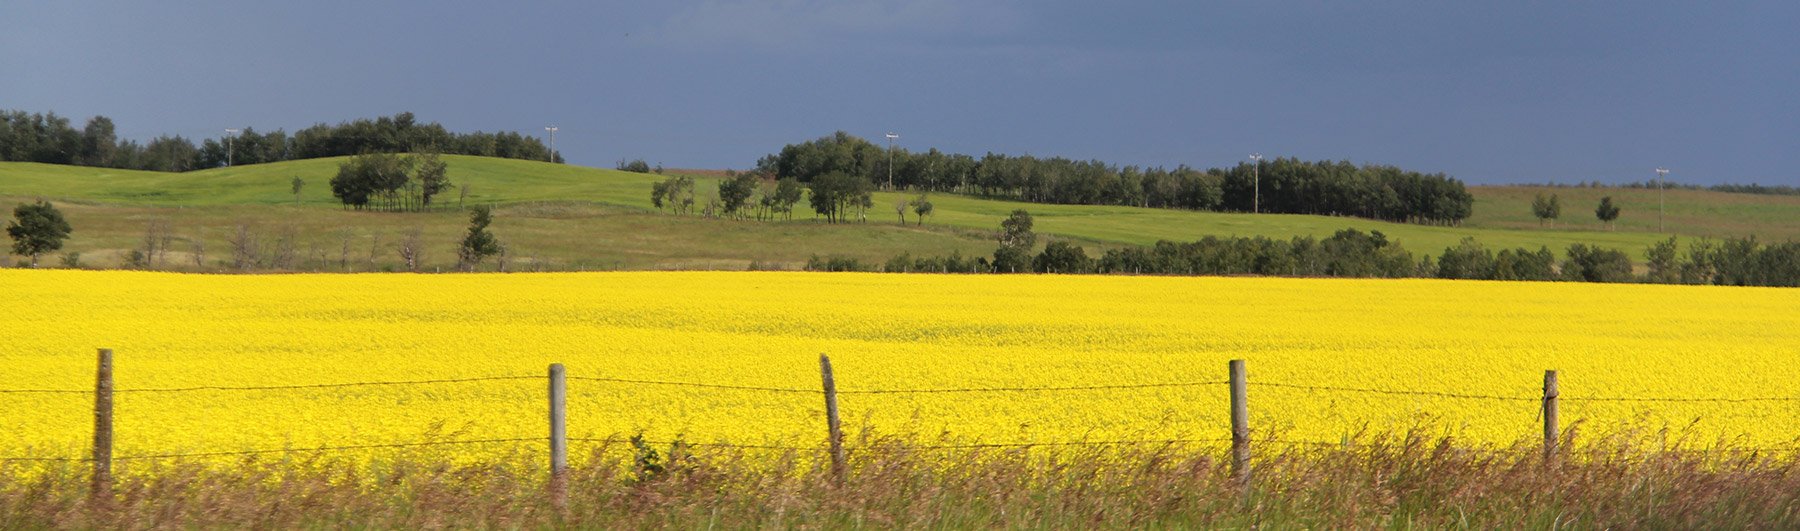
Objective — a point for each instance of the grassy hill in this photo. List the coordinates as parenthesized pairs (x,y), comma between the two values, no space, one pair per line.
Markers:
(578,217)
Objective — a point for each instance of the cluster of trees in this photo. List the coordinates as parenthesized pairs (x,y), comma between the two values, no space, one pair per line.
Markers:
(49,138)
(1348,253)
(1353,253)
(1548,208)
(638,166)
(1287,185)
(1752,188)
(388,181)
(1730,262)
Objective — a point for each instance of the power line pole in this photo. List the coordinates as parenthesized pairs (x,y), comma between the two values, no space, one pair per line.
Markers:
(229,134)
(1256,177)
(1661,175)
(552,130)
(890,164)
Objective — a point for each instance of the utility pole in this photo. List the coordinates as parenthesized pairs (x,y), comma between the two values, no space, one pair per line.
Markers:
(1256,178)
(229,134)
(1661,175)
(552,130)
(890,164)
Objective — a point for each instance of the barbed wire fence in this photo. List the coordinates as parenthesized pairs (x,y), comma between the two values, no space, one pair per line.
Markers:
(1240,438)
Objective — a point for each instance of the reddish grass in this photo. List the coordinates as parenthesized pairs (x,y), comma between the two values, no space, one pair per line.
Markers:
(1395,481)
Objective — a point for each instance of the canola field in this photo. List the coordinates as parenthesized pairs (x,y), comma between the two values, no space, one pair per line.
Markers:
(883,332)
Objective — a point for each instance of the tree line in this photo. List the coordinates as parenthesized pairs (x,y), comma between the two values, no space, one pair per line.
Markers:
(52,139)
(1752,188)
(1353,253)
(1287,185)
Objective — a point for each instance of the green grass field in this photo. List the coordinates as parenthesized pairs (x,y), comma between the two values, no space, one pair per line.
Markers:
(572,217)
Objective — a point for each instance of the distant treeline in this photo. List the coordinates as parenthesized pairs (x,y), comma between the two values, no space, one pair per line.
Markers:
(1287,185)
(1751,188)
(49,138)
(1353,253)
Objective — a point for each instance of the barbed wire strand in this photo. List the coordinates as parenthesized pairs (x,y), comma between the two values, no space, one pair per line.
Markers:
(280,451)
(1702,399)
(1324,388)
(694,384)
(276,387)
(325,386)
(686,443)
(1025,389)
(1392,392)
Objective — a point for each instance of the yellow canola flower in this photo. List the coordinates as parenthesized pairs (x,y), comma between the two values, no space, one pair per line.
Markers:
(883,332)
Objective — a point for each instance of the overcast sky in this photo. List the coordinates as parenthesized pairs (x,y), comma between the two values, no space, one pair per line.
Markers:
(1485,91)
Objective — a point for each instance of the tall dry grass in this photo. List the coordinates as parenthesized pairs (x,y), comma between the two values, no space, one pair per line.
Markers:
(1380,482)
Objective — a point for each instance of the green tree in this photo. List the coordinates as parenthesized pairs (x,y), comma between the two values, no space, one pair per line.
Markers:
(479,243)
(36,229)
(1062,257)
(1546,208)
(659,194)
(1011,259)
(735,192)
(634,166)
(432,176)
(1468,260)
(836,193)
(1015,230)
(1016,240)
(1663,263)
(1593,264)
(364,179)
(297,184)
(788,192)
(675,192)
(1607,211)
(922,206)
(99,145)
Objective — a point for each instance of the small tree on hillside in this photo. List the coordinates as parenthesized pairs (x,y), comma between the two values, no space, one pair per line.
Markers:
(1607,211)
(479,243)
(1015,230)
(788,192)
(36,229)
(1546,208)
(1016,240)
(297,184)
(433,178)
(922,206)
(735,192)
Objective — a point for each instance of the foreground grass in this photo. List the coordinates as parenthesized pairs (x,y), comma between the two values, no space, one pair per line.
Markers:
(1384,482)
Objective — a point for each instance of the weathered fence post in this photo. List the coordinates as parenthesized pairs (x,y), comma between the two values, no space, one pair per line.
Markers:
(833,424)
(1551,392)
(1240,423)
(559,437)
(103,428)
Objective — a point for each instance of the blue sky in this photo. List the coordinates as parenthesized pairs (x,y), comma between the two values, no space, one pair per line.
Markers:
(1487,92)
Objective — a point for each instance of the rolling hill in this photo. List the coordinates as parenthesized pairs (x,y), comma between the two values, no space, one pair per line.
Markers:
(578,217)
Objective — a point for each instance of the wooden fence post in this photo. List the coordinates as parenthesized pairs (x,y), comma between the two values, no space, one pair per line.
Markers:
(1240,423)
(1551,392)
(833,424)
(559,437)
(103,428)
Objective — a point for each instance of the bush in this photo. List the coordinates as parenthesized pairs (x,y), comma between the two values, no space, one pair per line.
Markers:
(1593,264)
(835,263)
(1062,257)
(634,166)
